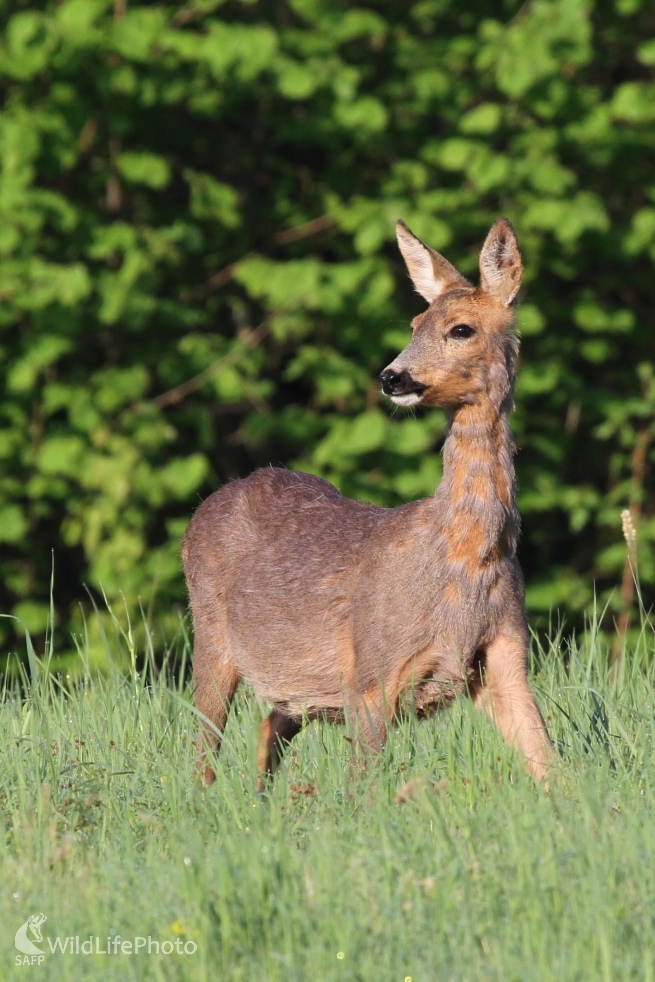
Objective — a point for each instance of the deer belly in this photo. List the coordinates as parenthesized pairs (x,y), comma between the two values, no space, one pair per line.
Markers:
(295,648)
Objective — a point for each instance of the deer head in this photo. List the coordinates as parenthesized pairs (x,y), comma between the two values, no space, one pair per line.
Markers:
(462,348)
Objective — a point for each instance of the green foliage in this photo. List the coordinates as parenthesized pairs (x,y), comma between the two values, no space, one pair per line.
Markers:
(198,274)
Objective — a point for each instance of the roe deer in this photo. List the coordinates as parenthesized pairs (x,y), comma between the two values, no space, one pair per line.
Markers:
(341,610)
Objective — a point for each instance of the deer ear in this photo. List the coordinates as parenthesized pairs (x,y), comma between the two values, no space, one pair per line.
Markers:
(430,273)
(501,268)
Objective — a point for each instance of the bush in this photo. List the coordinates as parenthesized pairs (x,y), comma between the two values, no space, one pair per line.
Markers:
(198,271)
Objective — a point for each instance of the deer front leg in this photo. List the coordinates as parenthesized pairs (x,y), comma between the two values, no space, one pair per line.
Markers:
(505,694)
(366,727)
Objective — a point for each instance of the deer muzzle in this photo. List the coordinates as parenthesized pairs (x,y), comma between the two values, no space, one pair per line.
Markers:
(401,387)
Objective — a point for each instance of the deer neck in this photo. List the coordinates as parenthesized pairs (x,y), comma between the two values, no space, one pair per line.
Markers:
(477,491)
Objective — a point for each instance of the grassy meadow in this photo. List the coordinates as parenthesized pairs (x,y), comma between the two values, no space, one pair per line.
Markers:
(443,862)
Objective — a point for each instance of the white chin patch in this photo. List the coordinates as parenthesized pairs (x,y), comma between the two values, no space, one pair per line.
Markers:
(411,399)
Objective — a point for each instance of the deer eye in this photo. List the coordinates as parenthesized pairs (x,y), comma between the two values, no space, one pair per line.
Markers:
(461,331)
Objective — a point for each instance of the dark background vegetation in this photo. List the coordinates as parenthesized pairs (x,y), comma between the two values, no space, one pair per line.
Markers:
(198,272)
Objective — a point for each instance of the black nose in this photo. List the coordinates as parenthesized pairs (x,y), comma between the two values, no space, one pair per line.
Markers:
(391,380)
(399,383)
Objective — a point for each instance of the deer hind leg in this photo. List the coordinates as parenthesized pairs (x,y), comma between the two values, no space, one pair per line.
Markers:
(504,693)
(215,679)
(275,733)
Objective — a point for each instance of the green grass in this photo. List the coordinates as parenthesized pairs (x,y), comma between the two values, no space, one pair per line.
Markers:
(477,875)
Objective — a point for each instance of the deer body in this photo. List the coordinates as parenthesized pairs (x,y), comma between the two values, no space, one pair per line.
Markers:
(342,610)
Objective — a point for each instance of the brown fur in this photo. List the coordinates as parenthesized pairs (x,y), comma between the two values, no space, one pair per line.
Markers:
(336,609)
